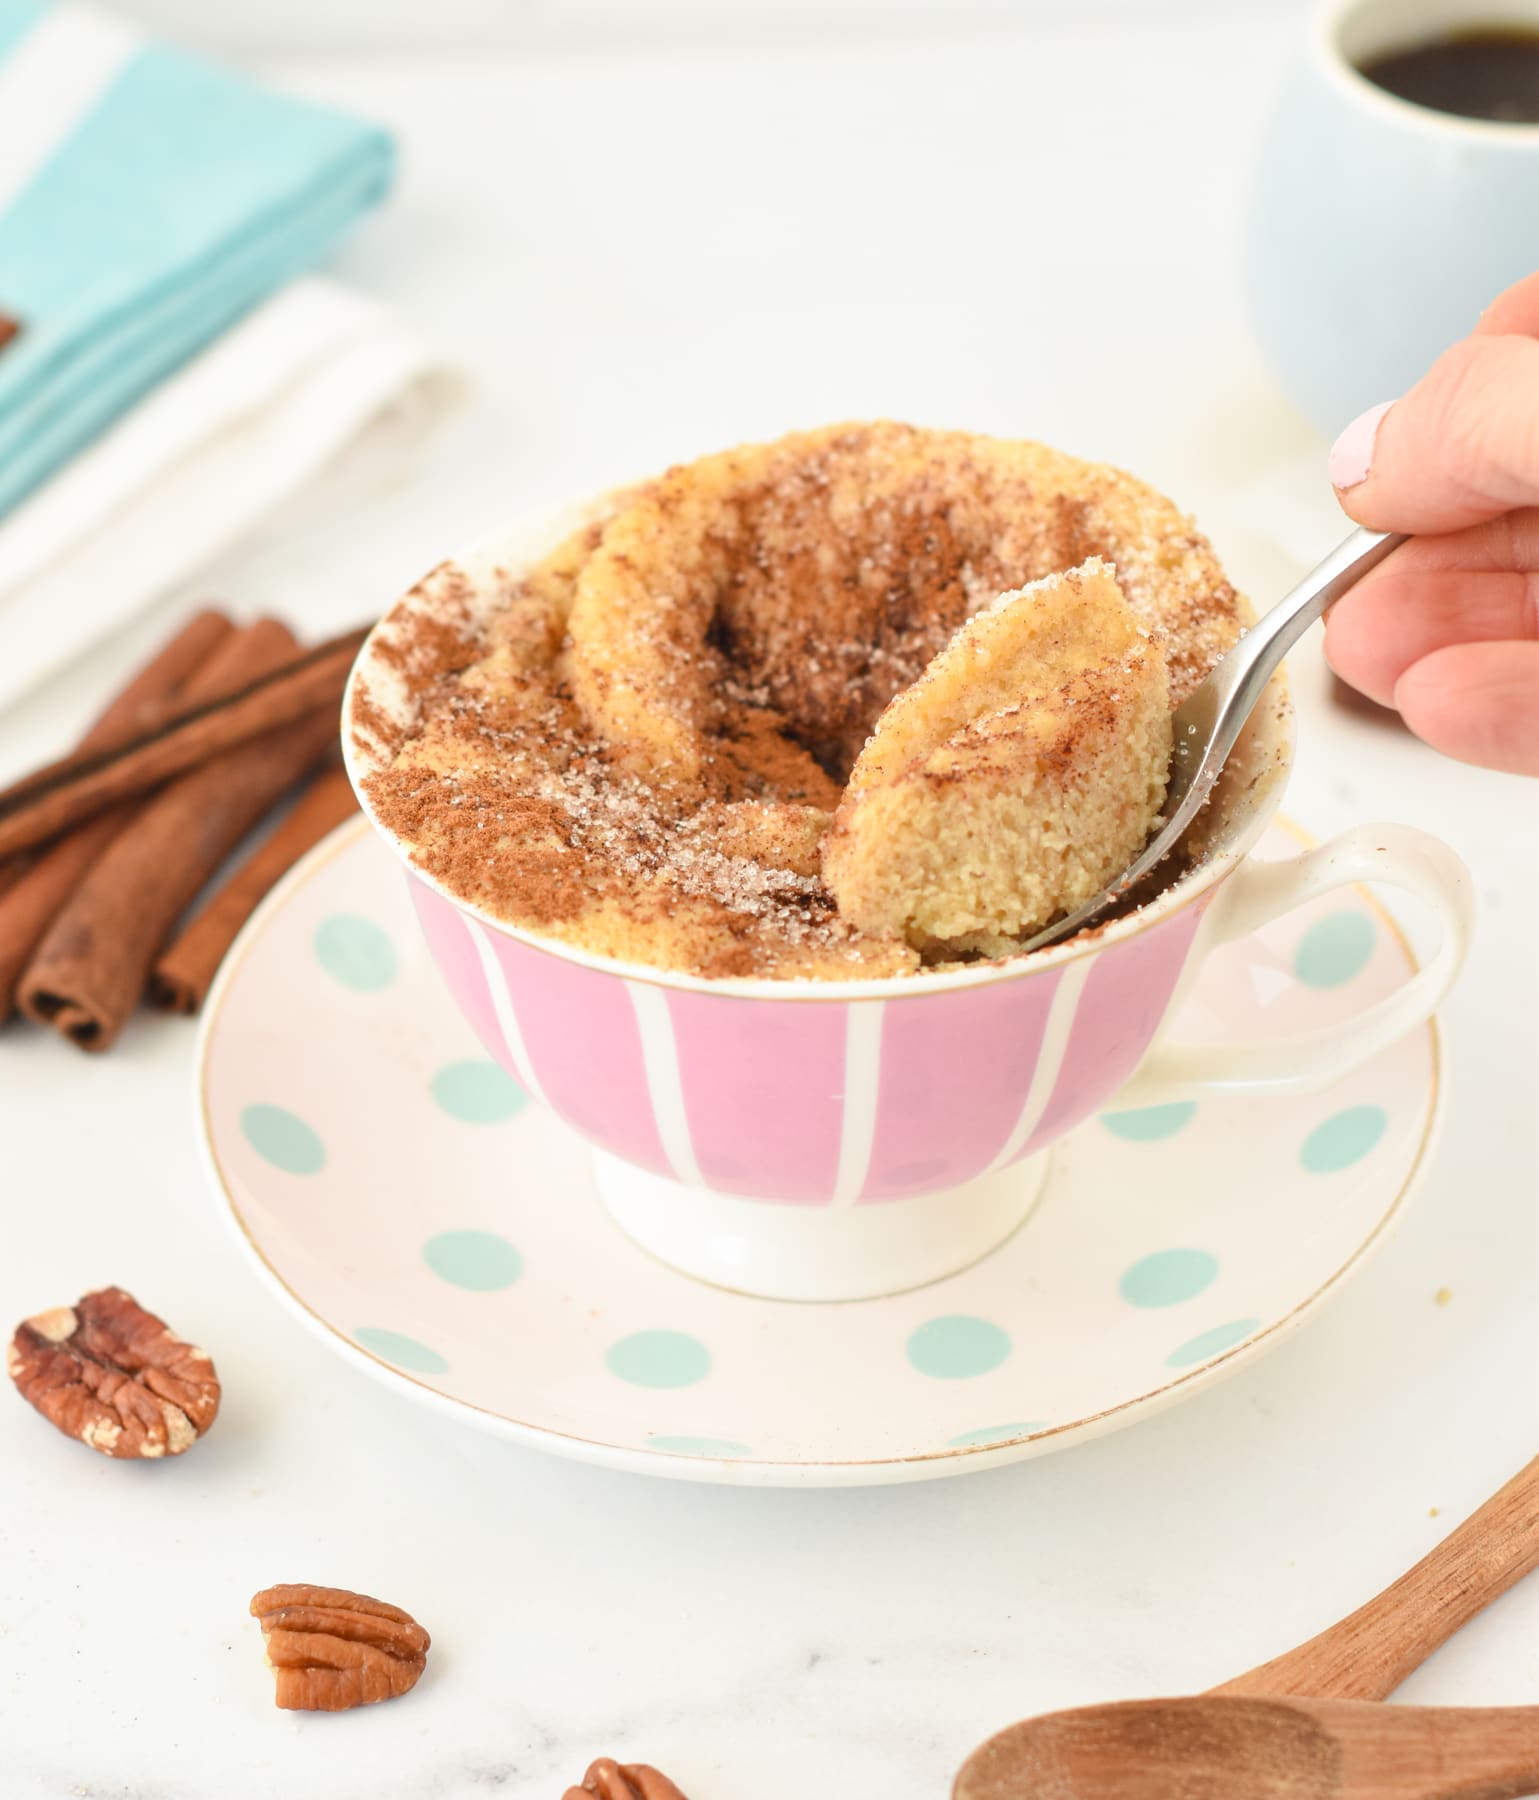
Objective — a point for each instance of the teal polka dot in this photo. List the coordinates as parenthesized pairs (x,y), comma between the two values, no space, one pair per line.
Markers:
(1168,1277)
(994,1434)
(1148,1124)
(957,1346)
(405,1352)
(479,1260)
(659,1359)
(1211,1342)
(478,1092)
(1334,949)
(697,1446)
(356,952)
(283,1139)
(1343,1139)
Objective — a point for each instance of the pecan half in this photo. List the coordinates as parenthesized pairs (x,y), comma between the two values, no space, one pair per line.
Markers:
(331,1649)
(608,1780)
(113,1375)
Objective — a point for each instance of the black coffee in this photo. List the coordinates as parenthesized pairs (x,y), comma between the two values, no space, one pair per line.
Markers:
(1481,73)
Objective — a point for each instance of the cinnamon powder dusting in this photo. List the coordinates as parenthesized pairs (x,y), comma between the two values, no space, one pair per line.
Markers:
(636,744)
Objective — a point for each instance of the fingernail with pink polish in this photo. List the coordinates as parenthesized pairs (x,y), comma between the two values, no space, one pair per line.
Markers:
(1352,454)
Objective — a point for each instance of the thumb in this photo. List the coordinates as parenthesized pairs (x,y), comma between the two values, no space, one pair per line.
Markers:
(1461,447)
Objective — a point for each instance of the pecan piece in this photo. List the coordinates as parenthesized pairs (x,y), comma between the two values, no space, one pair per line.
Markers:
(608,1780)
(113,1375)
(331,1649)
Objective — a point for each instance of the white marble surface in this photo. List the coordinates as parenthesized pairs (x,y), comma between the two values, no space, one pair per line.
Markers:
(642,256)
(345,27)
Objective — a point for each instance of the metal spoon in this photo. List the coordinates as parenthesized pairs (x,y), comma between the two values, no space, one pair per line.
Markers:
(1208,722)
(1213,1748)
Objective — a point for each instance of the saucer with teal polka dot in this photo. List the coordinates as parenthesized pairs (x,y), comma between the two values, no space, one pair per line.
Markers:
(440,1230)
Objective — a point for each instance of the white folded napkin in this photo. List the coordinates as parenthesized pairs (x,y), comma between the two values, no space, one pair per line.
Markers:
(315,376)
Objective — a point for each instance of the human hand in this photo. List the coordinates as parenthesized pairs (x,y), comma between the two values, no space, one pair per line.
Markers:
(1447,629)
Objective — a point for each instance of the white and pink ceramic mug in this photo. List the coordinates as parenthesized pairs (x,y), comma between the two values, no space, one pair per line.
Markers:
(837,1140)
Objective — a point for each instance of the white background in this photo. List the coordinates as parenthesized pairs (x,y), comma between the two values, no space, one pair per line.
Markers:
(371,26)
(643,246)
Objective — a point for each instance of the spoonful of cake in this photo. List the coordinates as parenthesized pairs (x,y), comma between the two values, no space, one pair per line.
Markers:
(1206,726)
(1017,790)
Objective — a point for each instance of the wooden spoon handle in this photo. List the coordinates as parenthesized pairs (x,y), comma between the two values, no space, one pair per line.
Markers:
(1434,1752)
(1370,1652)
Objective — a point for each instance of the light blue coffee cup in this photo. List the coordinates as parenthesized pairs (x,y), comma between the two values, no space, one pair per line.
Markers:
(1378,230)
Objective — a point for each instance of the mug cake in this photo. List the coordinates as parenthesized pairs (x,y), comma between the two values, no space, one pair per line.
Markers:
(865,701)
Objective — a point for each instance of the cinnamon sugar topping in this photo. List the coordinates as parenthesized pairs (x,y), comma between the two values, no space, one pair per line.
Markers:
(637,742)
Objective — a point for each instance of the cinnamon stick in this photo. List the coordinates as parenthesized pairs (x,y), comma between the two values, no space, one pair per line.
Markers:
(65,793)
(33,896)
(185,970)
(93,962)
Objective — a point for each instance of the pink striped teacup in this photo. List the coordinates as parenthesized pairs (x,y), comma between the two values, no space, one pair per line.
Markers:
(818,1140)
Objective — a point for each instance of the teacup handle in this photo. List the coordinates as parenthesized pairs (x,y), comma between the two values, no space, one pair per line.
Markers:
(1258,892)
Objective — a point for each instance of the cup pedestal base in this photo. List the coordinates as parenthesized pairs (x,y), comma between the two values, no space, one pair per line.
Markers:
(784,1252)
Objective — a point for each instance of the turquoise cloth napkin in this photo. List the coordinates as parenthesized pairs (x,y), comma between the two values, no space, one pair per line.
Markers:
(182,195)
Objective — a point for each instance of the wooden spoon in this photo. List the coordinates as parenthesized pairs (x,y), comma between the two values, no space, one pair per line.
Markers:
(1366,1655)
(1194,1749)
(1218,1747)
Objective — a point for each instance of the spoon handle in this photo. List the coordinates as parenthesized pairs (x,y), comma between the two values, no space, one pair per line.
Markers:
(1433,1752)
(1239,679)
(1366,1655)
(1248,667)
